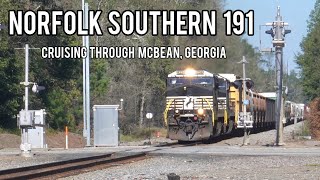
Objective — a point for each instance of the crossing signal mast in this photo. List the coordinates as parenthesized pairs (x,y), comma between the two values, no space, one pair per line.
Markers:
(278,33)
(27,116)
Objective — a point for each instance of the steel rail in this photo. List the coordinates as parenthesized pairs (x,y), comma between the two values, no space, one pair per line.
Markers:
(68,167)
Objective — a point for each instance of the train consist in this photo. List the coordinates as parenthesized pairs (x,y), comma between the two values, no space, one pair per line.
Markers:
(201,105)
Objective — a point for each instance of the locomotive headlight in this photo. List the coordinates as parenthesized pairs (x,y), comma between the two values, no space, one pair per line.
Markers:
(190,72)
(200,111)
(177,111)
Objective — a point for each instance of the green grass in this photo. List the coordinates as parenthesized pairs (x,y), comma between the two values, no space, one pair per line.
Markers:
(303,130)
(142,133)
(50,131)
(15,131)
(314,165)
(129,138)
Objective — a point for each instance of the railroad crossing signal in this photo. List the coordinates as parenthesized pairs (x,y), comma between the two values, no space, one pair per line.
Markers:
(36,88)
(249,83)
(271,32)
(278,33)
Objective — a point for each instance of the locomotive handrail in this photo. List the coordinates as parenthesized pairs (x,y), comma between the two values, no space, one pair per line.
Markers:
(225,116)
(166,112)
(211,110)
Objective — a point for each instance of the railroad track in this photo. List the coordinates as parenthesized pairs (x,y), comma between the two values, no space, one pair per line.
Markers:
(236,133)
(70,167)
(179,144)
(82,165)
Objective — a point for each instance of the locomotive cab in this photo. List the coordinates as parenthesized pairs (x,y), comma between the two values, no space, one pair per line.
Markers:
(195,101)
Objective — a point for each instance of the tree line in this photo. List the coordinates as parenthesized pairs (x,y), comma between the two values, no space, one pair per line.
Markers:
(140,82)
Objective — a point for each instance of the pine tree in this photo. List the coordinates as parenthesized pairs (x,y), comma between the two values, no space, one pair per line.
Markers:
(309,60)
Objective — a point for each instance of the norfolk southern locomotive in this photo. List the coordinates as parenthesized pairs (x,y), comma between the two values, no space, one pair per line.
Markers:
(198,105)
(201,105)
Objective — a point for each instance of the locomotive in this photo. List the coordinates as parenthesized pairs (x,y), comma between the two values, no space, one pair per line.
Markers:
(201,105)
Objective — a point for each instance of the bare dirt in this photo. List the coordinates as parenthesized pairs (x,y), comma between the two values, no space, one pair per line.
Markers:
(58,140)
(54,140)
(9,141)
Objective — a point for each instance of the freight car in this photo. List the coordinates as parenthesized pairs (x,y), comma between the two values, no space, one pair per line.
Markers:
(294,112)
(261,108)
(201,105)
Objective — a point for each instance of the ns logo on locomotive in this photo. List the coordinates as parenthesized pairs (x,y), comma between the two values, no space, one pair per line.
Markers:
(201,105)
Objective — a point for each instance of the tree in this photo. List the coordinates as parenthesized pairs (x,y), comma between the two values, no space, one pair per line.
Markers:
(309,61)
(140,82)
(10,73)
(295,92)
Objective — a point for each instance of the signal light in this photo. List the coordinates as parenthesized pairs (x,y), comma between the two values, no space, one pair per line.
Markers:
(237,83)
(287,31)
(270,32)
(249,84)
(36,88)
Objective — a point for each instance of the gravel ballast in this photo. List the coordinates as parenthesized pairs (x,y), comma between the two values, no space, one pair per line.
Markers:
(226,159)
(213,167)
(302,164)
(267,138)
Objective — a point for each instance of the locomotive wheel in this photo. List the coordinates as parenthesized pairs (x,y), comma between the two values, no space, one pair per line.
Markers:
(230,126)
(224,129)
(210,125)
(218,128)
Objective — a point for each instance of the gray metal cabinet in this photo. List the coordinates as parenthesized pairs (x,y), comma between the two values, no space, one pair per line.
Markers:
(105,119)
(36,135)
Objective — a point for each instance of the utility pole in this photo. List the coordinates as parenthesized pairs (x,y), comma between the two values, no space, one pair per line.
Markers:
(84,79)
(87,75)
(25,146)
(26,116)
(278,33)
(244,102)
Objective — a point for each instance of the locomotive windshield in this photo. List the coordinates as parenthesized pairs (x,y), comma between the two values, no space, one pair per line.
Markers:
(190,86)
(189,81)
